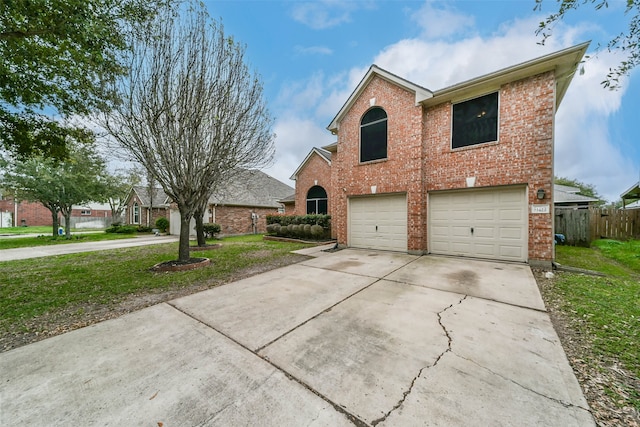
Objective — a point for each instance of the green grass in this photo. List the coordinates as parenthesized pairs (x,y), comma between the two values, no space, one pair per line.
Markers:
(606,309)
(46,286)
(46,240)
(44,229)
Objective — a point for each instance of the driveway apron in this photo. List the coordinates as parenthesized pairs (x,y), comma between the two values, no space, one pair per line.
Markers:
(348,338)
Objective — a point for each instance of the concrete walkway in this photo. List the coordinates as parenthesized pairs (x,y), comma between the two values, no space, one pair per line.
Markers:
(73,248)
(346,338)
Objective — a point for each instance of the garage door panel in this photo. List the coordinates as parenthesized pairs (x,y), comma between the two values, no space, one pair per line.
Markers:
(498,216)
(378,222)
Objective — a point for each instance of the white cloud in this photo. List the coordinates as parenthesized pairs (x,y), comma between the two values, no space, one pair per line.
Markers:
(323,14)
(443,21)
(295,137)
(313,50)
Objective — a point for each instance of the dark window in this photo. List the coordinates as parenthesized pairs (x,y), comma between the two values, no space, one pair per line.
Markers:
(373,135)
(475,121)
(316,200)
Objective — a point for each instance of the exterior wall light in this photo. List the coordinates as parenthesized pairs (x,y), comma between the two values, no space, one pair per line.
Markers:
(540,193)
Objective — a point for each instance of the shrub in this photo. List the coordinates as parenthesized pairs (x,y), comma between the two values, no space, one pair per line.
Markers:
(317,231)
(122,229)
(143,229)
(306,230)
(211,229)
(162,223)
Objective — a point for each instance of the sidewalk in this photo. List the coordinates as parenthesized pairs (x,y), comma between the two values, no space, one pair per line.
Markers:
(73,248)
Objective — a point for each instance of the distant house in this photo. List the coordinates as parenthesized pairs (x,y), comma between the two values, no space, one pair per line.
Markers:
(240,207)
(23,213)
(565,196)
(144,207)
(631,197)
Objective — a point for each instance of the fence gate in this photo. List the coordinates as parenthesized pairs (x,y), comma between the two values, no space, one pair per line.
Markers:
(574,224)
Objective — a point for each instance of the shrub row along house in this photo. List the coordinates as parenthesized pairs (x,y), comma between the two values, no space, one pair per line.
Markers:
(239,207)
(466,170)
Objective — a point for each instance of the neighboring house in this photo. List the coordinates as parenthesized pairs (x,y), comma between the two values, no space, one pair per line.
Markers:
(289,205)
(241,206)
(144,207)
(23,213)
(631,197)
(565,196)
(466,170)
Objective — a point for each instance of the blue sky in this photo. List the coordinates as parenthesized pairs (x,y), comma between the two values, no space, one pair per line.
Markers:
(311,55)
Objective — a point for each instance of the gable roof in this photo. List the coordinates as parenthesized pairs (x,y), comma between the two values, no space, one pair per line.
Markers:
(563,62)
(160,199)
(632,193)
(567,194)
(324,154)
(250,187)
(420,92)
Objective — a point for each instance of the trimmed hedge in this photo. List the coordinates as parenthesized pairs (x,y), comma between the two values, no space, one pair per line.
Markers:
(122,229)
(316,227)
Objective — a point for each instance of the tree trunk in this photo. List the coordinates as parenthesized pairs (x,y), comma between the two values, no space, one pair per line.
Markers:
(67,221)
(54,217)
(183,247)
(202,241)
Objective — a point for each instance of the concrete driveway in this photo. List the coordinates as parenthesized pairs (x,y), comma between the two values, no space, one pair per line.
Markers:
(348,338)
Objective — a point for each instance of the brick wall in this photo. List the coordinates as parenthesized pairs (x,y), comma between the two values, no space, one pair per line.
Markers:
(237,219)
(523,155)
(316,171)
(420,158)
(33,213)
(400,173)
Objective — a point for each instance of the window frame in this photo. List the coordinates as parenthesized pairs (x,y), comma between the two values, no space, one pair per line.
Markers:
(497,121)
(135,212)
(316,201)
(85,212)
(384,120)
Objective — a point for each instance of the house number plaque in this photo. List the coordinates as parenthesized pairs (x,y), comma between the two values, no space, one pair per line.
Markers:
(540,209)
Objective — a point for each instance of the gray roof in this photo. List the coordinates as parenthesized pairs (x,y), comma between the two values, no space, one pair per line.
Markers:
(289,199)
(159,196)
(567,194)
(252,188)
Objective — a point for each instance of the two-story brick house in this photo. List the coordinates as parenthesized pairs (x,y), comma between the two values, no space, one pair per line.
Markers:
(466,170)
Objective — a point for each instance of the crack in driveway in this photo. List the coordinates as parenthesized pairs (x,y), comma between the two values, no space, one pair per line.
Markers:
(522,386)
(413,382)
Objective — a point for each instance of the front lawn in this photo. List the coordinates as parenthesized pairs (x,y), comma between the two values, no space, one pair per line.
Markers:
(603,314)
(51,295)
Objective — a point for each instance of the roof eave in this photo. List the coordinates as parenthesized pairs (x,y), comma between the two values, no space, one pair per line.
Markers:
(421,93)
(306,159)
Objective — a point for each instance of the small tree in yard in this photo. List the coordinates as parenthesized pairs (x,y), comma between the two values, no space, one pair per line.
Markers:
(191,112)
(59,185)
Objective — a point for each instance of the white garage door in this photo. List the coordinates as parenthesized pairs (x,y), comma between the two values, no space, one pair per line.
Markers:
(483,223)
(378,222)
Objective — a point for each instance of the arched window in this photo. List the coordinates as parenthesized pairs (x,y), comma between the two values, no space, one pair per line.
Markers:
(135,214)
(316,200)
(373,135)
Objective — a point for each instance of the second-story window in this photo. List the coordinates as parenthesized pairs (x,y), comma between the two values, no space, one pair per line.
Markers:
(373,135)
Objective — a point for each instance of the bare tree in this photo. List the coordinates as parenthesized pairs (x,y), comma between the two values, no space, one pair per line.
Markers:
(191,110)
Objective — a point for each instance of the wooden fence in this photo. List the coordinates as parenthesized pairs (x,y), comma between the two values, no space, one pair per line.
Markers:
(581,226)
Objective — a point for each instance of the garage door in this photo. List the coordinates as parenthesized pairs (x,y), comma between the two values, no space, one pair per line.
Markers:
(479,223)
(378,222)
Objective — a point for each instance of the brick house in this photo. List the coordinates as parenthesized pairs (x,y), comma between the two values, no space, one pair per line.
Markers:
(466,170)
(240,207)
(313,181)
(24,213)
(144,207)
